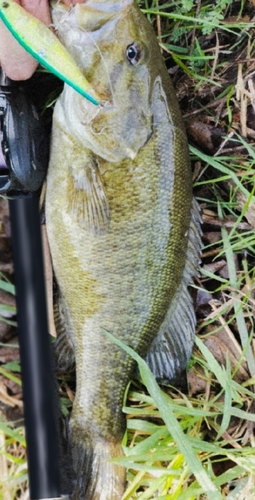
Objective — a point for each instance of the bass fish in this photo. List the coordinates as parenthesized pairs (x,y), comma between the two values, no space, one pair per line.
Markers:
(123,229)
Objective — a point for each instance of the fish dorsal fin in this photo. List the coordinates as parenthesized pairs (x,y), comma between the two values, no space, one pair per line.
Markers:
(87,197)
(171,349)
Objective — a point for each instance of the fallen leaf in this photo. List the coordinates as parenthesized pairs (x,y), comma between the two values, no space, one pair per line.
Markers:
(250,212)
(7,399)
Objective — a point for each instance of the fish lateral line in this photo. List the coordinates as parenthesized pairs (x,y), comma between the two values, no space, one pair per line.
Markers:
(57,60)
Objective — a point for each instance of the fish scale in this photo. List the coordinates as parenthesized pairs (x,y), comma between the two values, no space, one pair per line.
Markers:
(123,228)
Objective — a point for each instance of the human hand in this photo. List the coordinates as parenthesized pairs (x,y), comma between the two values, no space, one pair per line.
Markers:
(15,61)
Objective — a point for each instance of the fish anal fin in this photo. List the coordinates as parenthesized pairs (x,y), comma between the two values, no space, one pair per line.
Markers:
(171,349)
(87,198)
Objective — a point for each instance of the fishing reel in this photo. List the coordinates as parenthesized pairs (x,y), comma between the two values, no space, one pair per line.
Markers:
(24,146)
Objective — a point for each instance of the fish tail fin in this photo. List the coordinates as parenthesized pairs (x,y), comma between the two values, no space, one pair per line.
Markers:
(98,478)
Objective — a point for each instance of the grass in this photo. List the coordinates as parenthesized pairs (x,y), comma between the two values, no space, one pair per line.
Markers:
(199,444)
(173,458)
(13,463)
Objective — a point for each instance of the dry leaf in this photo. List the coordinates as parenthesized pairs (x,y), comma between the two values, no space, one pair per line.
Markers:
(250,212)
(6,399)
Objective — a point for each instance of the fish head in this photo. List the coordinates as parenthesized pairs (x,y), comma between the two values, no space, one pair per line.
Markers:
(114,45)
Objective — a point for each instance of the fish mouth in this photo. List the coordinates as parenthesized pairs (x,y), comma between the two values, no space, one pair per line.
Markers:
(104,106)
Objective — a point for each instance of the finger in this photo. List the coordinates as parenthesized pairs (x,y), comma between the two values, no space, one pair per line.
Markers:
(15,61)
(38,8)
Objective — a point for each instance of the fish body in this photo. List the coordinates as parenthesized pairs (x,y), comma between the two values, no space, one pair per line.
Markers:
(122,225)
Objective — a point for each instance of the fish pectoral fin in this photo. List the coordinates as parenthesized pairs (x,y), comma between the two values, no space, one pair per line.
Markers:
(171,349)
(87,197)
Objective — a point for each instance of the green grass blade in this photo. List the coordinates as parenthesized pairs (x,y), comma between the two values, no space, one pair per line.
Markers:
(162,402)
(216,163)
(7,287)
(13,433)
(244,336)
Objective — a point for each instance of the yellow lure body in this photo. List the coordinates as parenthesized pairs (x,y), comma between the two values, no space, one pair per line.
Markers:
(37,39)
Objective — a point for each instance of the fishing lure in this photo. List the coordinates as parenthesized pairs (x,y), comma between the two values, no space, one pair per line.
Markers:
(37,39)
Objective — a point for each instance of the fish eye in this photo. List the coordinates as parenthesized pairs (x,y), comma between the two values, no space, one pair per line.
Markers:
(133,53)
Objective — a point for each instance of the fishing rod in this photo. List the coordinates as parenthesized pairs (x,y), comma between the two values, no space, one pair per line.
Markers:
(24,153)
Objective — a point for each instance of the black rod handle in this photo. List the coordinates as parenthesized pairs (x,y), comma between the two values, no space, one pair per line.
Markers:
(37,374)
